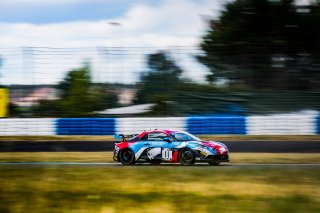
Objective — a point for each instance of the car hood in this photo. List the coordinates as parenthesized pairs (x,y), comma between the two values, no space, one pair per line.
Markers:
(219,147)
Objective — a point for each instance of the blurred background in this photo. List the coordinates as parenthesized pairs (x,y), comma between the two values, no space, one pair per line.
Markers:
(239,57)
(243,72)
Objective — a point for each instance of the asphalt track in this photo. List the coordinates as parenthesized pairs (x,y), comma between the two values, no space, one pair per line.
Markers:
(97,146)
(99,164)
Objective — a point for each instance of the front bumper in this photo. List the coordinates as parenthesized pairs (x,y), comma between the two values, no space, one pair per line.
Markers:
(218,158)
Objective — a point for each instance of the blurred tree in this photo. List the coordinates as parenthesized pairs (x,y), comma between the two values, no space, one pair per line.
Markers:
(79,97)
(75,93)
(161,80)
(48,108)
(265,44)
(160,83)
(14,110)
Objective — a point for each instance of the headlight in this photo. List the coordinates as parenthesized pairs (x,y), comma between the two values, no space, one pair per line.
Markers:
(222,150)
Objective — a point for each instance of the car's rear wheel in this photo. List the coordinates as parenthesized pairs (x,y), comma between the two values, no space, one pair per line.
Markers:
(126,157)
(214,163)
(186,157)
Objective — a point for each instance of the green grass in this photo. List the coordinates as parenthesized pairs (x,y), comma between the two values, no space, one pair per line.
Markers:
(107,157)
(158,189)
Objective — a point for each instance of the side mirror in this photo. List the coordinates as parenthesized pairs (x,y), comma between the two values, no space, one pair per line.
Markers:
(167,139)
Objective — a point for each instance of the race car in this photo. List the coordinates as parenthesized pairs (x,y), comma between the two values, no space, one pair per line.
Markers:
(168,146)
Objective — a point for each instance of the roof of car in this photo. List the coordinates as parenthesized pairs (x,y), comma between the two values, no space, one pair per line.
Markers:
(163,130)
(166,131)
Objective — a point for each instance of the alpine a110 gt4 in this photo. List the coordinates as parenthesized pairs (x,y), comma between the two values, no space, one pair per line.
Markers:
(168,146)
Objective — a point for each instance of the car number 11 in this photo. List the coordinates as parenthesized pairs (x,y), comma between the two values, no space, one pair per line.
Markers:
(166,154)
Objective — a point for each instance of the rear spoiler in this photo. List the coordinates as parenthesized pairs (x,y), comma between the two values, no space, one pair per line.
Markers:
(125,137)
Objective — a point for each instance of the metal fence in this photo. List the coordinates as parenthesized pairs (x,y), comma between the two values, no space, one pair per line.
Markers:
(32,74)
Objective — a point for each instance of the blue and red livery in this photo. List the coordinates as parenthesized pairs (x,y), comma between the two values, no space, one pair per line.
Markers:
(169,146)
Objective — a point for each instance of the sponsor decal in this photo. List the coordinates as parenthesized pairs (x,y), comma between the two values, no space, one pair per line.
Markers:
(153,152)
(203,153)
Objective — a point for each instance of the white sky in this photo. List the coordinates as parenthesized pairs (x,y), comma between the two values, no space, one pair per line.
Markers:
(150,25)
(153,25)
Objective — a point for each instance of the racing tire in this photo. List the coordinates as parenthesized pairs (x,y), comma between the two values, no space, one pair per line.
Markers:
(213,163)
(126,157)
(186,157)
(155,162)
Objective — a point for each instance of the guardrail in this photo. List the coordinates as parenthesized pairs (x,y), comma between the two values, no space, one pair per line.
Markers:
(250,125)
(27,126)
(85,126)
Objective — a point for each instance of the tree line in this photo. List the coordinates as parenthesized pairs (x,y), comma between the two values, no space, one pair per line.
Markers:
(255,45)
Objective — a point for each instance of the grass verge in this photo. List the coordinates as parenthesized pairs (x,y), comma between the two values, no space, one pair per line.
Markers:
(107,157)
(158,189)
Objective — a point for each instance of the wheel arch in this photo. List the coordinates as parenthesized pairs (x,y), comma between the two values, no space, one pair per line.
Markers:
(126,148)
(186,148)
(192,161)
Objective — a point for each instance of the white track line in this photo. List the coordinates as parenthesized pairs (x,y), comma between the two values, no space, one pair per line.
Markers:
(119,164)
(57,163)
(275,164)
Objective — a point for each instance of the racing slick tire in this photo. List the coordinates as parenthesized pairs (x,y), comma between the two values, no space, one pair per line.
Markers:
(186,157)
(126,157)
(213,163)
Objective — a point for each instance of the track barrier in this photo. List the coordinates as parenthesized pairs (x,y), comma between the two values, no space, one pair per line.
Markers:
(249,125)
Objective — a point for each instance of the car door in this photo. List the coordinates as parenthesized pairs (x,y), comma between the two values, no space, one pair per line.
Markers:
(155,145)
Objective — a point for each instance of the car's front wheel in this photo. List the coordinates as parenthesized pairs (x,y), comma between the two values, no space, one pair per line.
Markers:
(126,157)
(186,157)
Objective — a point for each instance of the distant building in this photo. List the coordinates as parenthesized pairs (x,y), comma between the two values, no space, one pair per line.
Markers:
(28,96)
(126,96)
(128,110)
(31,98)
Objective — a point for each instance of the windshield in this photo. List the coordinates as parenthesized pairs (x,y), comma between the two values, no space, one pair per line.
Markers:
(184,136)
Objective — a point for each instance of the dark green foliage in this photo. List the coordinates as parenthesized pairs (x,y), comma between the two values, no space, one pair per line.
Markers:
(79,97)
(196,101)
(158,85)
(14,110)
(265,44)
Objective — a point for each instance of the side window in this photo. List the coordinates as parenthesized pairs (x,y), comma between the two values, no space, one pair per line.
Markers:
(154,136)
(182,137)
